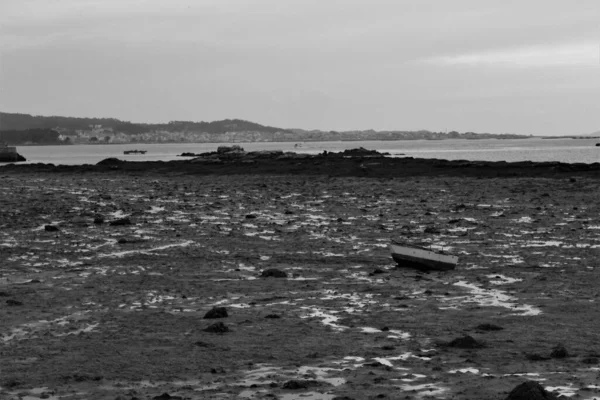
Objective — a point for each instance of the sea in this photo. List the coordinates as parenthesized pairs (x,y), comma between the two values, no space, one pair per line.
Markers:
(530,149)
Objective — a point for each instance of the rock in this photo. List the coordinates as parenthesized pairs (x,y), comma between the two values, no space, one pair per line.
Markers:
(295,384)
(4,294)
(120,222)
(250,216)
(536,357)
(465,342)
(488,327)
(112,161)
(432,230)
(273,273)
(530,390)
(12,303)
(377,271)
(219,327)
(590,360)
(559,352)
(273,316)
(216,312)
(98,219)
(167,396)
(51,228)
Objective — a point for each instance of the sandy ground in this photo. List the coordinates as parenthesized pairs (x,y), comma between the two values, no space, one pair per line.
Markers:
(101,311)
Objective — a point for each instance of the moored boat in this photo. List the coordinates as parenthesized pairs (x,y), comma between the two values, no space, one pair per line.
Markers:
(135,152)
(407,255)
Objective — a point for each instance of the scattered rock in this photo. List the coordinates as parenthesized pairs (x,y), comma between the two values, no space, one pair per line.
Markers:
(98,219)
(51,228)
(273,273)
(465,342)
(11,302)
(559,352)
(590,360)
(120,222)
(217,370)
(4,294)
(273,316)
(250,216)
(488,327)
(530,390)
(216,312)
(219,327)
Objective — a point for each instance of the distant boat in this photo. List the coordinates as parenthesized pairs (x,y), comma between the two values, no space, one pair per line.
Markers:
(407,255)
(135,152)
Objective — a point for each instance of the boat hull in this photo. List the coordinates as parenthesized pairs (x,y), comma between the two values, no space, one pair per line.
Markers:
(423,259)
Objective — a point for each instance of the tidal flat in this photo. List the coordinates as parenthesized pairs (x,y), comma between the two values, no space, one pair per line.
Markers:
(106,277)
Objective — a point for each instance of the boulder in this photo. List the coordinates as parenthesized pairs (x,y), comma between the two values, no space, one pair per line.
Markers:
(530,390)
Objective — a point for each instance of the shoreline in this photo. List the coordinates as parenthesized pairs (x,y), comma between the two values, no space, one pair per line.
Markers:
(332,164)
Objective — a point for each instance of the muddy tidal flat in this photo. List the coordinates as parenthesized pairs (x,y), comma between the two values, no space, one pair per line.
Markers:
(107,274)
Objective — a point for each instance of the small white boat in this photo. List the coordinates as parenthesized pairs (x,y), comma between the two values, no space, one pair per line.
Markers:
(407,255)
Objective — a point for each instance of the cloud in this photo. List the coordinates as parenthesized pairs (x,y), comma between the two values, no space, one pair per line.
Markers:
(556,55)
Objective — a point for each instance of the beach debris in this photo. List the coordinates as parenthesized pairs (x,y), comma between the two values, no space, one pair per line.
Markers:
(530,390)
(51,228)
(408,255)
(465,342)
(216,312)
(273,273)
(218,327)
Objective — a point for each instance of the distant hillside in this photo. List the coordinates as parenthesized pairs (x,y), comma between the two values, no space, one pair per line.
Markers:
(11,121)
(20,129)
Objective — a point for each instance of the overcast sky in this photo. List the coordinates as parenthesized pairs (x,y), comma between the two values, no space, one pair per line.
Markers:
(527,66)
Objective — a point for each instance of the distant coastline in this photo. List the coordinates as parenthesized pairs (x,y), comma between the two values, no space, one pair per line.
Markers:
(25,129)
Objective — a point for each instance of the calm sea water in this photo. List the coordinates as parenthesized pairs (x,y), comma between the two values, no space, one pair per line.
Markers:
(534,149)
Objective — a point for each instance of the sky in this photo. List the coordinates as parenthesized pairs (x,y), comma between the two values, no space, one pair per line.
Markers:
(525,67)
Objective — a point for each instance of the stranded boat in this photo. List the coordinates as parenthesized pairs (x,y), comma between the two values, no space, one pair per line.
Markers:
(135,152)
(407,255)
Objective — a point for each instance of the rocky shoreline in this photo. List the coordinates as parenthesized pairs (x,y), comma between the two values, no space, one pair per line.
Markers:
(267,276)
(351,163)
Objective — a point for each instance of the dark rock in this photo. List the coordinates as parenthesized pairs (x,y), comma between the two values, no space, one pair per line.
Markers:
(120,222)
(465,342)
(273,316)
(590,360)
(433,230)
(377,271)
(250,216)
(167,396)
(11,302)
(343,398)
(51,228)
(122,241)
(98,219)
(110,161)
(201,344)
(216,312)
(559,352)
(219,327)
(217,370)
(530,390)
(488,327)
(4,294)
(273,273)
(295,384)
(536,357)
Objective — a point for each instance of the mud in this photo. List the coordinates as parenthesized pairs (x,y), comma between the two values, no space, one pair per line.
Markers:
(96,310)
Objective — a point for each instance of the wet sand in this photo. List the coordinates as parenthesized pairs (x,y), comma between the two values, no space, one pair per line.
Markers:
(94,310)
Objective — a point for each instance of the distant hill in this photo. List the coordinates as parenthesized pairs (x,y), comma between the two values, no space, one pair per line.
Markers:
(13,121)
(20,129)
